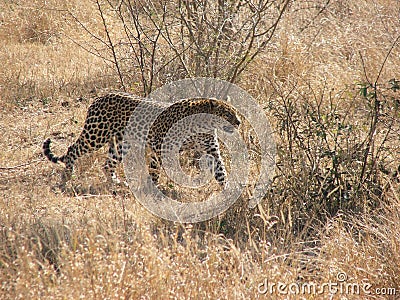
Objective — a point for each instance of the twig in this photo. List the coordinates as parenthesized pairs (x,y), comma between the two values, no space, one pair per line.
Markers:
(364,68)
(386,58)
(111,45)
(21,165)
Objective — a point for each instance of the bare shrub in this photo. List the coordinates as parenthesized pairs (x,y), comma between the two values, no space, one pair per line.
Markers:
(166,41)
(338,150)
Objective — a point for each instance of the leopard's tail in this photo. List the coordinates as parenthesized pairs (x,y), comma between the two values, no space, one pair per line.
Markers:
(47,152)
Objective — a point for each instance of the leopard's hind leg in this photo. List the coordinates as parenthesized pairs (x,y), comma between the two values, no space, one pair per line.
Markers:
(114,157)
(83,145)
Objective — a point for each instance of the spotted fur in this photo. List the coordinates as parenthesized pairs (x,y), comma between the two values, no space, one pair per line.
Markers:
(107,119)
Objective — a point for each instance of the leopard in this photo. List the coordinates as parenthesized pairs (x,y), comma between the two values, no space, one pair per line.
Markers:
(109,115)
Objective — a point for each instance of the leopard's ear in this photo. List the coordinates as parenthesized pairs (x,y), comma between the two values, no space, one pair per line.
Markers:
(228,99)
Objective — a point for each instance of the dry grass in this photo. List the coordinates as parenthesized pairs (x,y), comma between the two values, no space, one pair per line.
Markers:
(322,215)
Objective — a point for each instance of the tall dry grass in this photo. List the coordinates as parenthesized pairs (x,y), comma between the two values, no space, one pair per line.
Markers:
(333,207)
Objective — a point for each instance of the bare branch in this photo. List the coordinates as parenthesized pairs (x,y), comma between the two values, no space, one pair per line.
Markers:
(386,58)
(111,45)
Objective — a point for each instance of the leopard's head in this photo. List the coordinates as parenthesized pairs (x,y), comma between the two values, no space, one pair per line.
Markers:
(218,108)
